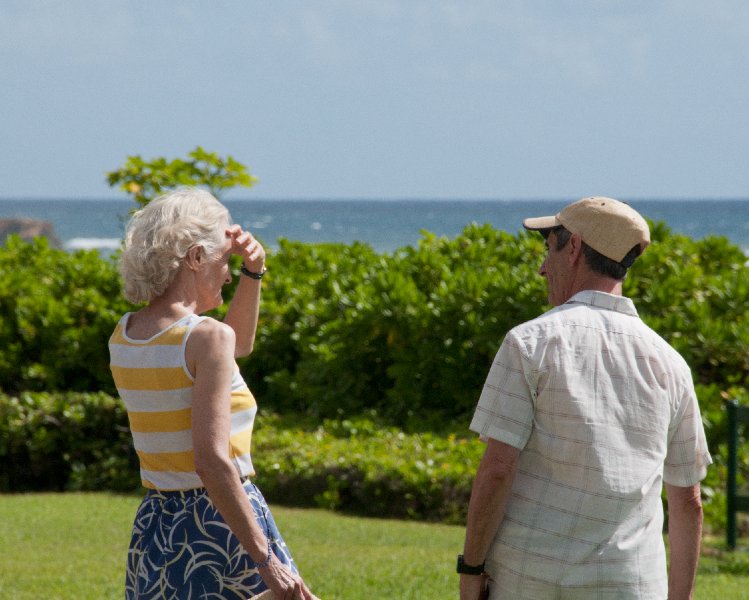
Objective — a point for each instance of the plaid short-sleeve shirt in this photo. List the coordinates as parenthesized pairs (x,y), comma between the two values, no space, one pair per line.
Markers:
(604,412)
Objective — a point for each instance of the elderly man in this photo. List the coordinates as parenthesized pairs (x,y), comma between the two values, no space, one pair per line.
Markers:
(586,412)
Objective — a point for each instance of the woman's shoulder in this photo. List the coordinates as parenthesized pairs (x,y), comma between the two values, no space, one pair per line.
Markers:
(211,342)
(210,331)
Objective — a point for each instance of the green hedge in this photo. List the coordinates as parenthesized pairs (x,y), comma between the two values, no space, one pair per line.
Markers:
(344,331)
(367,468)
(65,441)
(410,334)
(77,441)
(695,293)
(57,311)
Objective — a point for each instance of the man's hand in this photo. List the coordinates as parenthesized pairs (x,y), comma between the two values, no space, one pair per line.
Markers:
(473,587)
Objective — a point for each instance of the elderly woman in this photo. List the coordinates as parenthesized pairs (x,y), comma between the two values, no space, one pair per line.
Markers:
(203,529)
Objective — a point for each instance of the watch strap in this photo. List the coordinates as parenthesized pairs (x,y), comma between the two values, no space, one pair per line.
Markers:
(469,569)
(252,275)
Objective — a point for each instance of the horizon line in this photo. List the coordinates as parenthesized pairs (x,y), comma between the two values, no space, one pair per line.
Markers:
(389,199)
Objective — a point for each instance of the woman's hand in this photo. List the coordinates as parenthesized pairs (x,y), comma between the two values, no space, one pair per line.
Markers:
(245,245)
(284,584)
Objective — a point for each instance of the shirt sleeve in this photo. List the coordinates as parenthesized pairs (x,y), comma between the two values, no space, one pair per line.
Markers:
(506,406)
(687,457)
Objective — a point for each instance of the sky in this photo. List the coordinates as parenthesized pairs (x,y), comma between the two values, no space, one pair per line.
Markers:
(454,99)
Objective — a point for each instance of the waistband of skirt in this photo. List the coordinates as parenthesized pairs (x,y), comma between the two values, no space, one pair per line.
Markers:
(184,494)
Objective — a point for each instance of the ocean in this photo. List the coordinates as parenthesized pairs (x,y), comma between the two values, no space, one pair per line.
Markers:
(383,224)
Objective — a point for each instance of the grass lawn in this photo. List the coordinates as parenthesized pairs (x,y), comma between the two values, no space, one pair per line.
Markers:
(72,546)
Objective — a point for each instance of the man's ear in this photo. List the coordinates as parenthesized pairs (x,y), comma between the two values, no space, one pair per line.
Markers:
(574,248)
(194,257)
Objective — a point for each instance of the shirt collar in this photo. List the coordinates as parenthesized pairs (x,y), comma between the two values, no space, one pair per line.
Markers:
(620,304)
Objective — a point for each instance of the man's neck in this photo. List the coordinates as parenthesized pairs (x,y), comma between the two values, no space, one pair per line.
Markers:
(597,283)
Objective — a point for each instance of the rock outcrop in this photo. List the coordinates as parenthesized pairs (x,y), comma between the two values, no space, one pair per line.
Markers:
(28,229)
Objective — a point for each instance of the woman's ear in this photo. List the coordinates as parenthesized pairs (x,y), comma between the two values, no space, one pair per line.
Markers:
(194,257)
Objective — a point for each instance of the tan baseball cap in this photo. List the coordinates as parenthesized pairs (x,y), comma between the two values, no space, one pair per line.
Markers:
(610,227)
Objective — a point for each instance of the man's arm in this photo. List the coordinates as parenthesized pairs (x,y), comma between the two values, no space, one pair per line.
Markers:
(489,495)
(684,534)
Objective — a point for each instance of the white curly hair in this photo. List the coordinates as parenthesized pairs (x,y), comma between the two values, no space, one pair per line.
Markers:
(159,235)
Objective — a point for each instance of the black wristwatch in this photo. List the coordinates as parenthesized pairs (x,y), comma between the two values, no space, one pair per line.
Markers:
(469,569)
(252,275)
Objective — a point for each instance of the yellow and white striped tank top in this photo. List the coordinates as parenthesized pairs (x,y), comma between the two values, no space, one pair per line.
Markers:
(155,384)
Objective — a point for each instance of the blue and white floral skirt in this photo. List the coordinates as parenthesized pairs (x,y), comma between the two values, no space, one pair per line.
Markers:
(182,548)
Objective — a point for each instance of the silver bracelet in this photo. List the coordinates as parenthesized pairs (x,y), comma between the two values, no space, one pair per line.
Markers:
(266,562)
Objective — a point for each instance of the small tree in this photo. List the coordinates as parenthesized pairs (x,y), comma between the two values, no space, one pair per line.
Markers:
(146,179)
